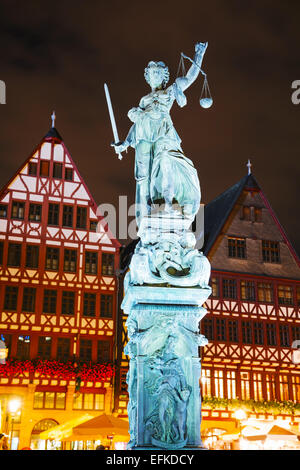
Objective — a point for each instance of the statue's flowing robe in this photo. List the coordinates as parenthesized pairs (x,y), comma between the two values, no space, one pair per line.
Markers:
(159,156)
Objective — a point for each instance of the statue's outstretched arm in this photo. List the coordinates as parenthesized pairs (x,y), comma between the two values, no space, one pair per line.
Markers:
(184,82)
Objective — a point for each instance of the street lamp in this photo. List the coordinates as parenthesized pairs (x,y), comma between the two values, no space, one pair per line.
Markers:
(14,407)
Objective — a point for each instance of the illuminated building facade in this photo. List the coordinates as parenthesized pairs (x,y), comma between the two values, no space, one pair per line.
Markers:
(57,296)
(253,321)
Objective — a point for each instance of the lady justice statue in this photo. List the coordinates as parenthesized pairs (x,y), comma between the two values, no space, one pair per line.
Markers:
(164,175)
(167,281)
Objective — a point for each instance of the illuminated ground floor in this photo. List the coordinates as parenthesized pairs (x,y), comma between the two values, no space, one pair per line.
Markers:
(30,408)
(27,409)
(224,429)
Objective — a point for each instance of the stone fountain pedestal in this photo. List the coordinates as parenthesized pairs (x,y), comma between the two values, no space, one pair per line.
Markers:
(164,312)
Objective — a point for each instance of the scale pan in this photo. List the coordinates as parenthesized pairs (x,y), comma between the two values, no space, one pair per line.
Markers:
(206,102)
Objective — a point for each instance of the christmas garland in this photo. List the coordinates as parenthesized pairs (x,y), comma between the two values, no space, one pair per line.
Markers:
(275,407)
(67,371)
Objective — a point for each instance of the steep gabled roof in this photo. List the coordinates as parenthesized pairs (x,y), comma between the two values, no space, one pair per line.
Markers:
(216,212)
(54,137)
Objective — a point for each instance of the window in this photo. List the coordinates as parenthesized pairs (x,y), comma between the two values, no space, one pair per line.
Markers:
(257,386)
(67,216)
(106,308)
(231,384)
(298,295)
(70,260)
(271,334)
(247,332)
(68,303)
(17,210)
(35,212)
(3,211)
(265,292)
(53,214)
(57,170)
(284,335)
(10,298)
(108,264)
(257,214)
(258,333)
(208,328)
(68,174)
(215,287)
(284,387)
(296,388)
(63,349)
(81,217)
(245,386)
(206,382)
(270,387)
(233,331)
(89,401)
(28,304)
(1,252)
(91,262)
(89,304)
(219,383)
(103,351)
(44,347)
(23,348)
(229,289)
(32,256)
(296,333)
(7,339)
(248,291)
(49,400)
(93,225)
(246,213)
(237,248)
(52,258)
(14,254)
(270,252)
(285,295)
(44,168)
(32,169)
(49,303)
(85,352)
(220,329)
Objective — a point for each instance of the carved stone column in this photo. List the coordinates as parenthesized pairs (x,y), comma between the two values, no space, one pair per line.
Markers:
(163,379)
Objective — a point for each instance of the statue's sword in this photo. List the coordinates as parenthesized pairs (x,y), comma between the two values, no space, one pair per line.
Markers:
(112,119)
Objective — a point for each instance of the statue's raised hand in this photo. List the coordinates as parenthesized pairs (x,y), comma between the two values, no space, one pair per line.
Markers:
(201,47)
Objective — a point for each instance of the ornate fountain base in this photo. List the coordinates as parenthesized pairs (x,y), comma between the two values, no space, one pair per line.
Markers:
(164,407)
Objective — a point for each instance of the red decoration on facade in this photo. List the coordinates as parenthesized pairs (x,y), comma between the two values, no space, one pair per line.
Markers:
(65,371)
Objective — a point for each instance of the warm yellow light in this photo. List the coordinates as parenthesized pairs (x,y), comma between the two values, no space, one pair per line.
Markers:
(3,353)
(14,406)
(240,415)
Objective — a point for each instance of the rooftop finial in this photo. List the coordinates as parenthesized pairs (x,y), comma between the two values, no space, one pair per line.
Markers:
(53,117)
(249,165)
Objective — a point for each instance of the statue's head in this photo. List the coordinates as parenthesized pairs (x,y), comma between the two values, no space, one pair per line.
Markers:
(157,74)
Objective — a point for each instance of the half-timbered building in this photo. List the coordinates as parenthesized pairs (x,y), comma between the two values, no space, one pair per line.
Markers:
(57,295)
(252,322)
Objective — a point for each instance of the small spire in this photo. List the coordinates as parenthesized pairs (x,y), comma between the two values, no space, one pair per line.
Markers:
(249,166)
(53,117)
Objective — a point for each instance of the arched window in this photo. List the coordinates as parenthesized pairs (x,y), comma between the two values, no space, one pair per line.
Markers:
(36,443)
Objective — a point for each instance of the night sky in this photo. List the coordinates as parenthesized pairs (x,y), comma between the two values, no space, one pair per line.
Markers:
(57,55)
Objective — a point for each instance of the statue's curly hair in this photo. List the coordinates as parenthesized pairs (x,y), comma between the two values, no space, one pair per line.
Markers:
(164,71)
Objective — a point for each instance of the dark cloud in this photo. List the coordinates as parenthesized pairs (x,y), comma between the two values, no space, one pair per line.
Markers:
(57,55)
